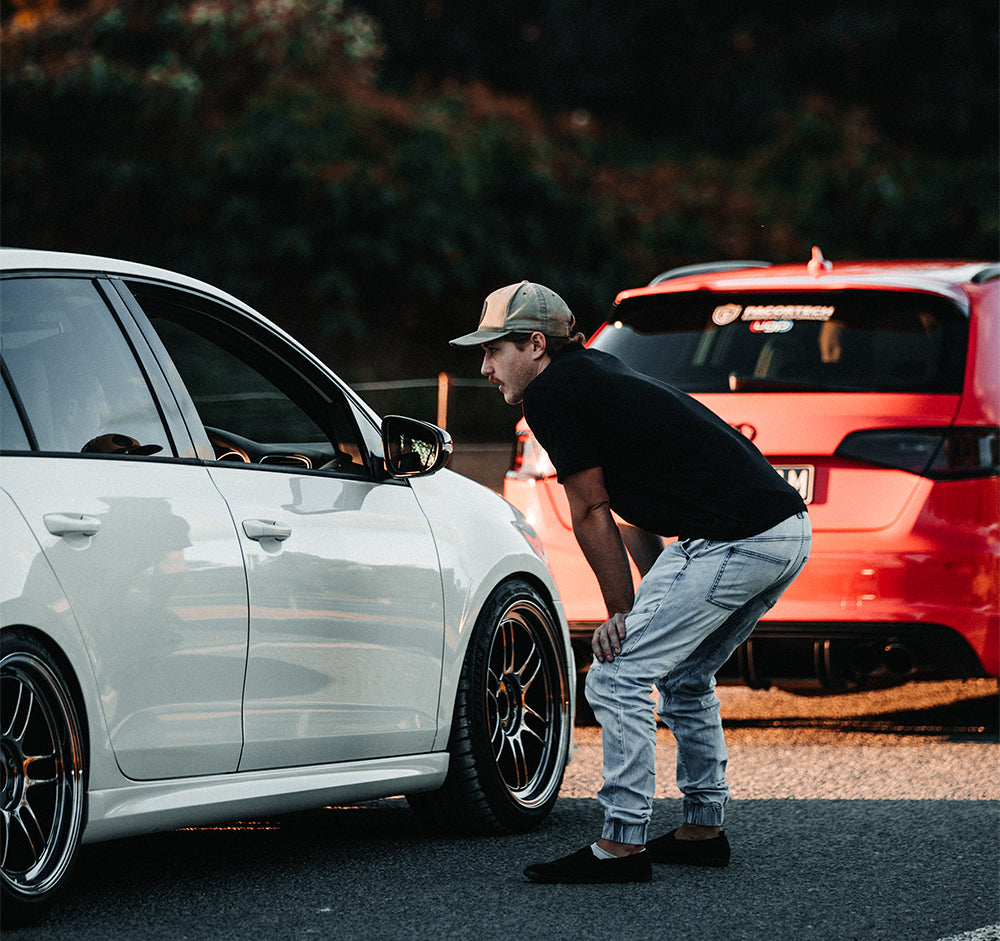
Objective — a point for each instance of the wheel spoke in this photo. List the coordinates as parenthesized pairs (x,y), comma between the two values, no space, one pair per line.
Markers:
(34,834)
(30,761)
(493,720)
(507,645)
(20,718)
(530,669)
(521,774)
(513,762)
(543,722)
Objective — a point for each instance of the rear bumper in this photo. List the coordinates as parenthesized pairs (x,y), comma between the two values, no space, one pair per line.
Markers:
(834,657)
(916,600)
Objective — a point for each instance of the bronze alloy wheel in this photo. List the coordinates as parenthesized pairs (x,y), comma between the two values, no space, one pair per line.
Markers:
(43,782)
(524,703)
(512,721)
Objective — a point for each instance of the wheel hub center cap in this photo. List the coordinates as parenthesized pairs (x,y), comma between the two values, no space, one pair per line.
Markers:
(10,778)
(510,701)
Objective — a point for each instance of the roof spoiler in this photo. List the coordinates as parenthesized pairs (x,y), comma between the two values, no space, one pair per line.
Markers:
(989,273)
(708,267)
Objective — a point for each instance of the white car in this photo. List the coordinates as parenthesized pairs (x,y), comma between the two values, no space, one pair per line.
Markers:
(228,588)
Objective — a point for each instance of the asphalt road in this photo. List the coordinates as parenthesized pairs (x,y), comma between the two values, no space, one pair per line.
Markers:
(869,818)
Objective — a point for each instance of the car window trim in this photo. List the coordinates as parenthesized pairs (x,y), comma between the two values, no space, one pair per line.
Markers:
(22,412)
(273,343)
(187,414)
(157,382)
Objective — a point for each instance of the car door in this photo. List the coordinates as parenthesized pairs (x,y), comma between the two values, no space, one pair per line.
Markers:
(131,523)
(346,619)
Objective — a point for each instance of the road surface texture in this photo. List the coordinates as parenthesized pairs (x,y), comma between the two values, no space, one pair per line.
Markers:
(867,817)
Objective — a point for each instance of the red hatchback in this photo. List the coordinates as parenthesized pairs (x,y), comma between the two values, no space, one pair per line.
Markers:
(874,387)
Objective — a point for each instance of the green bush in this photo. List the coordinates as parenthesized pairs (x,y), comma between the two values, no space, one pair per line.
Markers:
(247,142)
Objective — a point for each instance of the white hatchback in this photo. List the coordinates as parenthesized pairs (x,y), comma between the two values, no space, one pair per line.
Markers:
(228,587)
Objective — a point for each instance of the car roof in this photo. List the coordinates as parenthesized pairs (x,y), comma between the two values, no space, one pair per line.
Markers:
(945,277)
(31,260)
(28,259)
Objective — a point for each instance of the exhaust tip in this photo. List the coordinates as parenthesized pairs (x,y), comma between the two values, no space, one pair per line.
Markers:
(898,659)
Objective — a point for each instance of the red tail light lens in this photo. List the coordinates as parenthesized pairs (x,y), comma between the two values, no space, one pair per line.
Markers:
(937,453)
(531,462)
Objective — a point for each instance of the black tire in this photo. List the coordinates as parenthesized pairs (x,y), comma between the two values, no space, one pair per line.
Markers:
(511,728)
(43,786)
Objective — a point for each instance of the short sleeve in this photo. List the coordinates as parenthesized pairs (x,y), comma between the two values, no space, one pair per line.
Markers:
(563,424)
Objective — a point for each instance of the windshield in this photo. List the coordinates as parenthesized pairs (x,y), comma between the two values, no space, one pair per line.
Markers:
(822,341)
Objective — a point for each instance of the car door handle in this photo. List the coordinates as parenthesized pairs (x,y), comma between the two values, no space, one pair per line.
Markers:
(266,529)
(69,524)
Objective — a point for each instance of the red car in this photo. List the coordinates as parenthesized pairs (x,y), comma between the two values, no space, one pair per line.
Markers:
(874,387)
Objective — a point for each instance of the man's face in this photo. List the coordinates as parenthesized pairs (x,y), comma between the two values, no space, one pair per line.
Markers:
(510,367)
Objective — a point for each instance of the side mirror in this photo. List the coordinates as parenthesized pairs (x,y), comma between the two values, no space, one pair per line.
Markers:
(412,448)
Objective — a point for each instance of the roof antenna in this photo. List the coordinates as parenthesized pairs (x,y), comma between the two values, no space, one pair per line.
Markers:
(818,264)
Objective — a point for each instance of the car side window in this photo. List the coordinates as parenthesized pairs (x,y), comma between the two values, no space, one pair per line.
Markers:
(73,372)
(256,407)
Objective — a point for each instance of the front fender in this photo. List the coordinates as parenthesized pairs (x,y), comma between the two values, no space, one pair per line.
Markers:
(481,541)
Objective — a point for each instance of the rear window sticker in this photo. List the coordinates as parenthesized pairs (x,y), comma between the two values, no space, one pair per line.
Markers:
(727,313)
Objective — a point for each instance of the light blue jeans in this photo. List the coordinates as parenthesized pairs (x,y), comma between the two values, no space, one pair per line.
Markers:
(700,600)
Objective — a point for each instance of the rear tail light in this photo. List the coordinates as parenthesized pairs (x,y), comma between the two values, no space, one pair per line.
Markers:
(531,462)
(937,453)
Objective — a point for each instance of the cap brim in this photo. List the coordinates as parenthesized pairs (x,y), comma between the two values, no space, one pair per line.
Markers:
(480,337)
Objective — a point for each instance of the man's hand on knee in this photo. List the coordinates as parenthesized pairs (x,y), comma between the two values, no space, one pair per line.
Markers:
(607,639)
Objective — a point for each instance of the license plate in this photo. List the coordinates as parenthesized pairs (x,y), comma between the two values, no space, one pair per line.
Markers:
(800,476)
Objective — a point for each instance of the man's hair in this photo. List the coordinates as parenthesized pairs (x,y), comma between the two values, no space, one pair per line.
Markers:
(553,345)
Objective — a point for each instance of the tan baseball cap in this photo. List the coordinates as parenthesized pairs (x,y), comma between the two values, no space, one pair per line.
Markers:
(520,308)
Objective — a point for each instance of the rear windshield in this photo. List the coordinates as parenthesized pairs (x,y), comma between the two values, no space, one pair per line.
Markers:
(830,341)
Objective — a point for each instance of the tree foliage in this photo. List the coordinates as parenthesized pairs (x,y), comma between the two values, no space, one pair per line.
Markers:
(272,147)
(713,74)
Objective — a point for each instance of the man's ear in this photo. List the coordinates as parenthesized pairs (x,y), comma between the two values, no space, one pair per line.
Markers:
(539,344)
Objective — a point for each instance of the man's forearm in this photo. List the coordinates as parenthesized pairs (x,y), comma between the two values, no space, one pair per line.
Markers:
(601,542)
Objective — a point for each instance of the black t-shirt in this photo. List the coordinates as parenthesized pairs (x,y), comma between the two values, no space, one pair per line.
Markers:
(671,466)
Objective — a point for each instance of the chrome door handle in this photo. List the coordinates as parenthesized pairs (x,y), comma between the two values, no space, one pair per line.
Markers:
(266,529)
(68,524)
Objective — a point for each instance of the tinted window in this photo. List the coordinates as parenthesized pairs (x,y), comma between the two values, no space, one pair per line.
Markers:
(836,341)
(255,405)
(73,370)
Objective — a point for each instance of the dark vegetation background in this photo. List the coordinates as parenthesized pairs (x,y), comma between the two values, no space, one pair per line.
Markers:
(364,173)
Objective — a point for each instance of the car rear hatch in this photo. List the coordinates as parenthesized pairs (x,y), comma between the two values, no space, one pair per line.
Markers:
(851,392)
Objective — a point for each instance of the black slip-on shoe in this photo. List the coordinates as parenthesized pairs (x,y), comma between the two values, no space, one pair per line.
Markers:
(668,849)
(584,867)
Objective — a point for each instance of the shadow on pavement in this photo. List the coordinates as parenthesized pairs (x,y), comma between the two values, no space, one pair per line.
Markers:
(966,720)
(830,870)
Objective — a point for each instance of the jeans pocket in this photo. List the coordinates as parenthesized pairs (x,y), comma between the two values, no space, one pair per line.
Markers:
(744,574)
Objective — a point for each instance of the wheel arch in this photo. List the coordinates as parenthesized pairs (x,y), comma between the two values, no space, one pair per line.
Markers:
(455,653)
(69,674)
(45,815)
(510,732)
(482,541)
